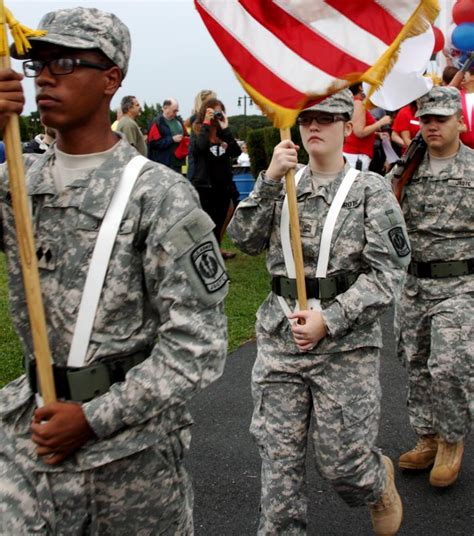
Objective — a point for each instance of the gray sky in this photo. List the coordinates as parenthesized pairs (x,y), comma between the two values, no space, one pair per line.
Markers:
(173,54)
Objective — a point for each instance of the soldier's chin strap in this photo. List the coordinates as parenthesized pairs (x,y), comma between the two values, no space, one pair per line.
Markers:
(326,236)
(100,262)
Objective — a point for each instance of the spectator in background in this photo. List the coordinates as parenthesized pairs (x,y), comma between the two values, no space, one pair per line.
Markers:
(405,126)
(128,125)
(119,116)
(244,157)
(201,97)
(165,135)
(467,99)
(213,147)
(2,152)
(359,145)
(199,100)
(40,143)
(448,74)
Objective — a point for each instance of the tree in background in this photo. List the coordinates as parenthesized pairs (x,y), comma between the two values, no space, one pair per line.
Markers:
(261,142)
(149,112)
(239,123)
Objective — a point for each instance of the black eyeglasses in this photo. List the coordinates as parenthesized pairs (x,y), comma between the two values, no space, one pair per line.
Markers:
(58,66)
(306,119)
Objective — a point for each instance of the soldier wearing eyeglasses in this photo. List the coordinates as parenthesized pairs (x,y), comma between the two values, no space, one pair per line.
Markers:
(107,457)
(323,361)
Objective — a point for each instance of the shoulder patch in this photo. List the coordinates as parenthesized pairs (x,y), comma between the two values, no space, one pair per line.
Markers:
(351,204)
(209,269)
(399,243)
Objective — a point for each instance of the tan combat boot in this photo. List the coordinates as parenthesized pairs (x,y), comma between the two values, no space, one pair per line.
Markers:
(447,463)
(422,456)
(387,514)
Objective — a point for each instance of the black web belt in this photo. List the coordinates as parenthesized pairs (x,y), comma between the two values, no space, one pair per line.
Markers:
(440,269)
(326,288)
(85,383)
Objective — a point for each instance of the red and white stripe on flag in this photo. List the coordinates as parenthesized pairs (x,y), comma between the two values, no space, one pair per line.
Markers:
(288,53)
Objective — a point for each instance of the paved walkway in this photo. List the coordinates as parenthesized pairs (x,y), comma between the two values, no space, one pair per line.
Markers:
(225,465)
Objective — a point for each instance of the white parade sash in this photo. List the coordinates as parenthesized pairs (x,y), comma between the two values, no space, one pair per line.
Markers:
(326,237)
(100,262)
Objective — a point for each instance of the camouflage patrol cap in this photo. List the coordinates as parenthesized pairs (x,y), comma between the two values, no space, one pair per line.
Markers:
(341,102)
(441,100)
(85,28)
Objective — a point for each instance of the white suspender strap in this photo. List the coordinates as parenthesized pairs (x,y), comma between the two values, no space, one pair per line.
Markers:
(330,223)
(326,237)
(100,262)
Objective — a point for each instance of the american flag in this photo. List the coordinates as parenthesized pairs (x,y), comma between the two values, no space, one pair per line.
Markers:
(289,53)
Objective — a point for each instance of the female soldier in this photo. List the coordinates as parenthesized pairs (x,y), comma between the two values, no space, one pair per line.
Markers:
(329,364)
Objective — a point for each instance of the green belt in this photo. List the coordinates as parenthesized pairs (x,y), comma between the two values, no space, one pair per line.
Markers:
(326,288)
(441,269)
(85,383)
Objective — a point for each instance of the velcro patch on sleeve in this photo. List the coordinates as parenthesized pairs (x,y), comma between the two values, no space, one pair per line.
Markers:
(399,242)
(206,263)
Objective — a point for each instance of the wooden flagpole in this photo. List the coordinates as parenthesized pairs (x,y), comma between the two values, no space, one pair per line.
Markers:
(296,246)
(24,232)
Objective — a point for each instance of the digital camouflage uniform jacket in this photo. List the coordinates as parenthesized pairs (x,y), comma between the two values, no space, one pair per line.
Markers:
(439,212)
(369,238)
(156,295)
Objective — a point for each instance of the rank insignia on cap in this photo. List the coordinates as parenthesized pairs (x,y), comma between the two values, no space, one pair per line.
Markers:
(208,267)
(399,242)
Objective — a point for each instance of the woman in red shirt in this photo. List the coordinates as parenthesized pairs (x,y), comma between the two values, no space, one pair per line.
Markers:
(405,126)
(359,146)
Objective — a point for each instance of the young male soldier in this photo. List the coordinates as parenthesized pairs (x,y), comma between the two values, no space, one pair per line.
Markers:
(438,302)
(107,459)
(326,370)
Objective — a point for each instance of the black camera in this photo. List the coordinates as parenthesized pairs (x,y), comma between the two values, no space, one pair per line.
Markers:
(219,116)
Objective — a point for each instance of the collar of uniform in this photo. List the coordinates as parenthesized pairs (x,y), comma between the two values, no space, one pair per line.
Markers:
(97,188)
(91,194)
(305,184)
(40,180)
(455,170)
(327,192)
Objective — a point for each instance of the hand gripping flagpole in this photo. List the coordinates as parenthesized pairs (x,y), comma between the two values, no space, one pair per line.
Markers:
(21,211)
(296,246)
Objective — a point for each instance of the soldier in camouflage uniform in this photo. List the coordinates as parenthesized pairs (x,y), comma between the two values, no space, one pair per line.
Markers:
(109,463)
(437,309)
(329,366)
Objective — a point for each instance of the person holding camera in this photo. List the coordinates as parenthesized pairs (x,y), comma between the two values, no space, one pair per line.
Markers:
(213,147)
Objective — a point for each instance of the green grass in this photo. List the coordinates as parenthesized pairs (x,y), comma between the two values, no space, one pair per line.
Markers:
(249,286)
(10,349)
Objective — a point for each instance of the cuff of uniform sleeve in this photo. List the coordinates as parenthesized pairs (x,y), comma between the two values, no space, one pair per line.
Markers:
(102,416)
(267,188)
(335,319)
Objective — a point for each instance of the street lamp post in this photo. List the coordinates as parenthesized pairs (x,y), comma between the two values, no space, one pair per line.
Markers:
(244,99)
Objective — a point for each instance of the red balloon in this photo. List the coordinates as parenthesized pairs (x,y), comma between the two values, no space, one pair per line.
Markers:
(463,11)
(439,40)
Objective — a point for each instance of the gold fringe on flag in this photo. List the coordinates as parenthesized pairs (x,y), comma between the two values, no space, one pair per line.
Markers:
(281,117)
(20,33)
(422,17)
(419,22)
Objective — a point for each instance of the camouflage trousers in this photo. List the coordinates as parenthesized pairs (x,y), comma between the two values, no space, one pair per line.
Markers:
(437,347)
(341,391)
(141,495)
